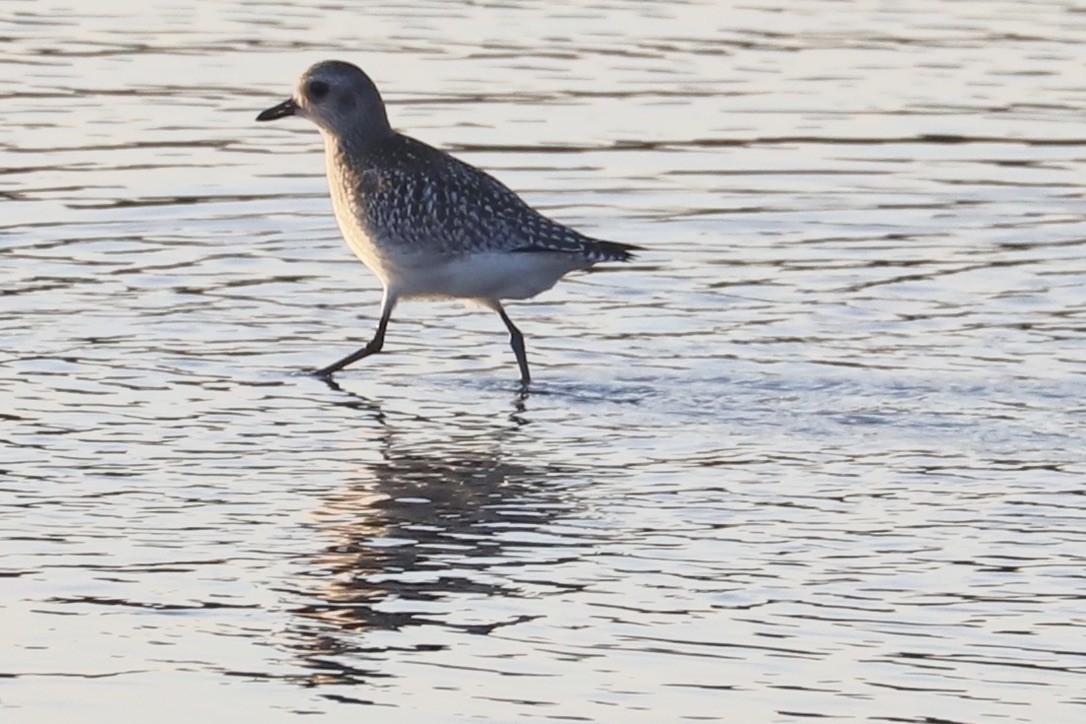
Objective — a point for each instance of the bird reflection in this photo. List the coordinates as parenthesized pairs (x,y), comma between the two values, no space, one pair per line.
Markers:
(442,512)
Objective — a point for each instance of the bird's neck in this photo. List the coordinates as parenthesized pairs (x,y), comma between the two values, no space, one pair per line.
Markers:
(358,144)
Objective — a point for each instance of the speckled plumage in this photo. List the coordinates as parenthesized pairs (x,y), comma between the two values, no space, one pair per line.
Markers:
(429,201)
(426,223)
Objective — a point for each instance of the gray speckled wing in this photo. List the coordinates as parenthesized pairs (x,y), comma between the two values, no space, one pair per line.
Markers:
(417,197)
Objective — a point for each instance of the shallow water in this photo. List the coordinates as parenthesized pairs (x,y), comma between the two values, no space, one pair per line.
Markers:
(819,452)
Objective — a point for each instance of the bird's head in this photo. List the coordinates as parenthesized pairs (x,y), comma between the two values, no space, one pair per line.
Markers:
(340,99)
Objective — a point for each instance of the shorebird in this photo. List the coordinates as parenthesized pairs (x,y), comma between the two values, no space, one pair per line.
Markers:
(427,224)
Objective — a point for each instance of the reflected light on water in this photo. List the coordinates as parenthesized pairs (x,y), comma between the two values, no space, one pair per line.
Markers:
(817,453)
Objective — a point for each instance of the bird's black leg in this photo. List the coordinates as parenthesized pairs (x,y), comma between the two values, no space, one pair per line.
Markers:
(516,341)
(372,347)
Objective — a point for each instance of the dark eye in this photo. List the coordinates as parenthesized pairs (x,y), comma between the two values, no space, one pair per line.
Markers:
(317,89)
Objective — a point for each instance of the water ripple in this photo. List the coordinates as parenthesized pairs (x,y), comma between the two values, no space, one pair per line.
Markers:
(817,451)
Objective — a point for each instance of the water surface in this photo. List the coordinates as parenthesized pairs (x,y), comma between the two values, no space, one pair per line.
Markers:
(818,453)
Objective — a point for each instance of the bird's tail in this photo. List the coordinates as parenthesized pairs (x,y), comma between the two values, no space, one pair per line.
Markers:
(596,250)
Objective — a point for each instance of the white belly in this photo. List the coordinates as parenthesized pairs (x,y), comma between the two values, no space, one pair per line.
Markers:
(490,275)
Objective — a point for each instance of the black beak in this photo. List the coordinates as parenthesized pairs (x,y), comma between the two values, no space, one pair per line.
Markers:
(286,108)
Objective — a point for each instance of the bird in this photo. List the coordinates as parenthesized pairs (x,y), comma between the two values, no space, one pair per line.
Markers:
(427,224)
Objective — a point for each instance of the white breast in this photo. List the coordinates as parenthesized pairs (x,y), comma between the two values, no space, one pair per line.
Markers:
(359,237)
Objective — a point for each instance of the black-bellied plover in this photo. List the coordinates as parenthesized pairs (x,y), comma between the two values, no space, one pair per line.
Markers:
(427,224)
